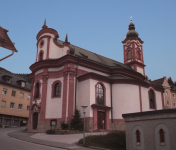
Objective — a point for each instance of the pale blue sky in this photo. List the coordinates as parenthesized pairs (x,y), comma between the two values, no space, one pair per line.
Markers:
(95,25)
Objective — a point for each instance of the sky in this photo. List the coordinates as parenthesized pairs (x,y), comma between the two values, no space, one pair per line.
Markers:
(95,25)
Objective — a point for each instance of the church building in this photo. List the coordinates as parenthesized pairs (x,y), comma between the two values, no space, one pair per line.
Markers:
(65,77)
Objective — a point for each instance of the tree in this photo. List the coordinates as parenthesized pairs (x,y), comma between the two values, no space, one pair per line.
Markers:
(170,81)
(76,123)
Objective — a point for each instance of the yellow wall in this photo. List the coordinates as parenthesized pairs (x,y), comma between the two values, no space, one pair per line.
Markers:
(8,98)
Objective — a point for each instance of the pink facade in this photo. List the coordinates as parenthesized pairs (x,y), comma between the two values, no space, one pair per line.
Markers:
(66,77)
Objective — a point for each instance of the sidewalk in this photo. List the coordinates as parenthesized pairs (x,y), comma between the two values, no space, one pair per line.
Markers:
(60,141)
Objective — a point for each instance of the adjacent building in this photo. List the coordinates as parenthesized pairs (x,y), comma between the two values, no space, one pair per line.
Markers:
(169,94)
(14,99)
(65,77)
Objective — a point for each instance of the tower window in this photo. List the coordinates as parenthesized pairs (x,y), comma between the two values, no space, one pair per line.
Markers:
(129,54)
(41,56)
(56,89)
(139,55)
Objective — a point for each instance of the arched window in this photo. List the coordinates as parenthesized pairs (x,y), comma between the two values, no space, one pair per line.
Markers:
(37,90)
(139,55)
(138,140)
(152,99)
(57,90)
(41,56)
(161,133)
(100,94)
(129,54)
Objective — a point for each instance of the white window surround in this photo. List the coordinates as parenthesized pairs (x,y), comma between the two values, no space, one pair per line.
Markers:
(28,108)
(4,91)
(29,97)
(21,95)
(22,84)
(20,106)
(12,105)
(3,103)
(173,95)
(166,93)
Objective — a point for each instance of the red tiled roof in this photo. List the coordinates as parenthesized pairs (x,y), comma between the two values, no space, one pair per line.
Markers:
(5,41)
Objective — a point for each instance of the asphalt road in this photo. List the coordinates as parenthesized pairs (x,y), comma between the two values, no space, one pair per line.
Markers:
(9,143)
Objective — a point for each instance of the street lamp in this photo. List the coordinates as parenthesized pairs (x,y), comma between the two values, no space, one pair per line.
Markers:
(84,111)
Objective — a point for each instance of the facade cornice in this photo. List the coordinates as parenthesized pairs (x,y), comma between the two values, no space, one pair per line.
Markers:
(82,62)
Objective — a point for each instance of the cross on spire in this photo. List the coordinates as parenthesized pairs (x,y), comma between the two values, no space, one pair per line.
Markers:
(131,18)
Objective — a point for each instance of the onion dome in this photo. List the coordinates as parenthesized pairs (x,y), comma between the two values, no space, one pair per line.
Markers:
(132,32)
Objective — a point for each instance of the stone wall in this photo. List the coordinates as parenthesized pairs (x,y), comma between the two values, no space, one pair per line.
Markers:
(117,126)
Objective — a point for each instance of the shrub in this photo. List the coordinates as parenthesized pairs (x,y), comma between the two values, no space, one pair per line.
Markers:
(76,122)
(64,125)
(50,132)
(113,140)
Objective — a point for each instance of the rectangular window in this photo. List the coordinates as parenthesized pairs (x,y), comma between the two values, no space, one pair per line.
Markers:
(4,91)
(27,108)
(13,93)
(174,104)
(22,84)
(3,103)
(173,95)
(29,97)
(20,106)
(21,95)
(12,105)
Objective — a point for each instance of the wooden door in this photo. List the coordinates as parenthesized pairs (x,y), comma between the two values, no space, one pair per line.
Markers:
(100,118)
(35,120)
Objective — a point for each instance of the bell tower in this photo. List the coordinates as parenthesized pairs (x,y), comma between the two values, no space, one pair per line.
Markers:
(133,50)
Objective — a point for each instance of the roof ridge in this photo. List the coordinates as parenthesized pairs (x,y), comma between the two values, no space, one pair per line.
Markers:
(95,53)
(158,79)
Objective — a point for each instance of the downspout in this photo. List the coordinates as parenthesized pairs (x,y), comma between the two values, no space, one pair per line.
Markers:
(76,82)
(7,56)
(111,108)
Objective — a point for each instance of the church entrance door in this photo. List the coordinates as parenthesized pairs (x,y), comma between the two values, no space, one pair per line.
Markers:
(35,120)
(100,118)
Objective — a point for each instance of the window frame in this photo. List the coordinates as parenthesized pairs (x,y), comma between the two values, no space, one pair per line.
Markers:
(173,95)
(166,93)
(13,105)
(20,94)
(29,97)
(53,89)
(138,137)
(28,107)
(167,102)
(12,93)
(6,90)
(104,93)
(5,103)
(128,57)
(39,95)
(41,51)
(19,106)
(23,82)
(162,137)
(154,98)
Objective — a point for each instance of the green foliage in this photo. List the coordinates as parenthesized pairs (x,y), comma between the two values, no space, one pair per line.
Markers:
(113,140)
(50,132)
(170,81)
(64,125)
(76,122)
